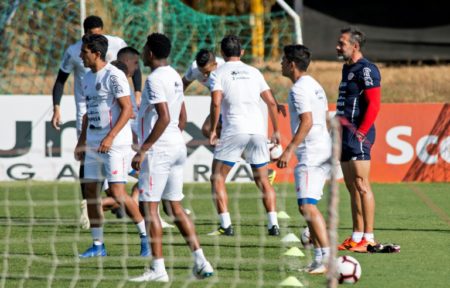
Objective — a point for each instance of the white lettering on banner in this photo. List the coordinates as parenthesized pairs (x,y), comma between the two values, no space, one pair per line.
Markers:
(407,149)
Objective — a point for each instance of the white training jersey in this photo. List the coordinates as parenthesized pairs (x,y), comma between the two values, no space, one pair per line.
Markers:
(306,95)
(101,90)
(241,87)
(72,63)
(194,73)
(163,85)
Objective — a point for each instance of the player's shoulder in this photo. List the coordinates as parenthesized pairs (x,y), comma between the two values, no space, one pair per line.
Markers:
(163,73)
(306,83)
(220,61)
(75,48)
(366,65)
(115,40)
(115,71)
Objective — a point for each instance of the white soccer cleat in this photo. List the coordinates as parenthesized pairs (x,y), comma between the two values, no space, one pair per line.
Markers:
(315,268)
(151,276)
(164,224)
(203,270)
(84,218)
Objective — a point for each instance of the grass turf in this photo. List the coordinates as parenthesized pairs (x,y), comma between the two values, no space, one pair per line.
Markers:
(40,238)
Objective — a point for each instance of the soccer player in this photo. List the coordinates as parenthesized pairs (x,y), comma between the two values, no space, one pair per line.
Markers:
(161,158)
(311,144)
(72,63)
(357,108)
(237,90)
(105,140)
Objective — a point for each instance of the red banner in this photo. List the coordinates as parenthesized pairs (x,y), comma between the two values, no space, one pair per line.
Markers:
(412,144)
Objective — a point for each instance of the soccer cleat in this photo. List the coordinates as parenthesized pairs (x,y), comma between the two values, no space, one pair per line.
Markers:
(317,268)
(361,247)
(94,251)
(223,231)
(274,231)
(347,244)
(202,271)
(271,175)
(84,218)
(151,276)
(145,247)
(118,212)
(164,224)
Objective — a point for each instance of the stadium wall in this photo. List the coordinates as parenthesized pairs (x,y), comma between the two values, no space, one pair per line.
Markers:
(413,142)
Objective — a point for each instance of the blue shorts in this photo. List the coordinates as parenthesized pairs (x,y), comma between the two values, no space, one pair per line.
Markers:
(352,149)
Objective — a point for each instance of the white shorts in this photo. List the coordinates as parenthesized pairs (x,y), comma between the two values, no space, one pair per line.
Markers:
(309,181)
(253,147)
(161,175)
(112,166)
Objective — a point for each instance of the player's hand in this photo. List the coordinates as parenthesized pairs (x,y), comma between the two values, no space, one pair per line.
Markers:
(285,157)
(360,136)
(56,118)
(105,145)
(281,109)
(79,152)
(213,138)
(137,160)
(276,138)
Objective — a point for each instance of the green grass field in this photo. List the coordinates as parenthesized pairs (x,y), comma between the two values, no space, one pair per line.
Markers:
(40,240)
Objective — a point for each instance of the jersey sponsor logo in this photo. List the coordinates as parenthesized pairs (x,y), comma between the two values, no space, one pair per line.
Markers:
(117,88)
(98,86)
(239,75)
(367,78)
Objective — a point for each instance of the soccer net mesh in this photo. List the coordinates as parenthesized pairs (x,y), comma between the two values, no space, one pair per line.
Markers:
(41,236)
(35,35)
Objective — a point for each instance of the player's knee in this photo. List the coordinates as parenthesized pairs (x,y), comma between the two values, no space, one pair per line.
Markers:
(361,185)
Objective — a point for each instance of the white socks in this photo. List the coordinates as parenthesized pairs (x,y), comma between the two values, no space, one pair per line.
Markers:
(225,220)
(369,237)
(141,228)
(357,236)
(199,257)
(158,265)
(273,220)
(97,235)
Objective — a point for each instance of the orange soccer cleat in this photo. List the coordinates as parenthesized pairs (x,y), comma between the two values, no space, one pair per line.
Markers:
(361,247)
(347,244)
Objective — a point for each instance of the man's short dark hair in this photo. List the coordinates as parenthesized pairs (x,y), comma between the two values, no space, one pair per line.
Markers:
(127,51)
(122,66)
(96,43)
(231,46)
(298,54)
(92,22)
(356,35)
(204,56)
(159,44)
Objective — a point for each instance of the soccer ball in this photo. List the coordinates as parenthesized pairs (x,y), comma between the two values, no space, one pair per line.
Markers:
(305,238)
(275,151)
(348,270)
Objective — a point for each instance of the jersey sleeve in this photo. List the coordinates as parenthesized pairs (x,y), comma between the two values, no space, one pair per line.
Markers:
(67,65)
(119,85)
(302,100)
(190,73)
(263,86)
(370,77)
(155,91)
(216,83)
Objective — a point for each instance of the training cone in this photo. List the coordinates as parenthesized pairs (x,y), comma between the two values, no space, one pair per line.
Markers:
(291,281)
(294,251)
(283,215)
(290,238)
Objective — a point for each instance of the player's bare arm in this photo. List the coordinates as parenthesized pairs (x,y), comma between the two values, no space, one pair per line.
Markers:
(272,107)
(306,123)
(125,114)
(58,89)
(183,117)
(161,124)
(81,144)
(216,100)
(186,83)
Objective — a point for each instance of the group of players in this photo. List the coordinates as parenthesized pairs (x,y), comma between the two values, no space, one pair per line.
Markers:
(111,119)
